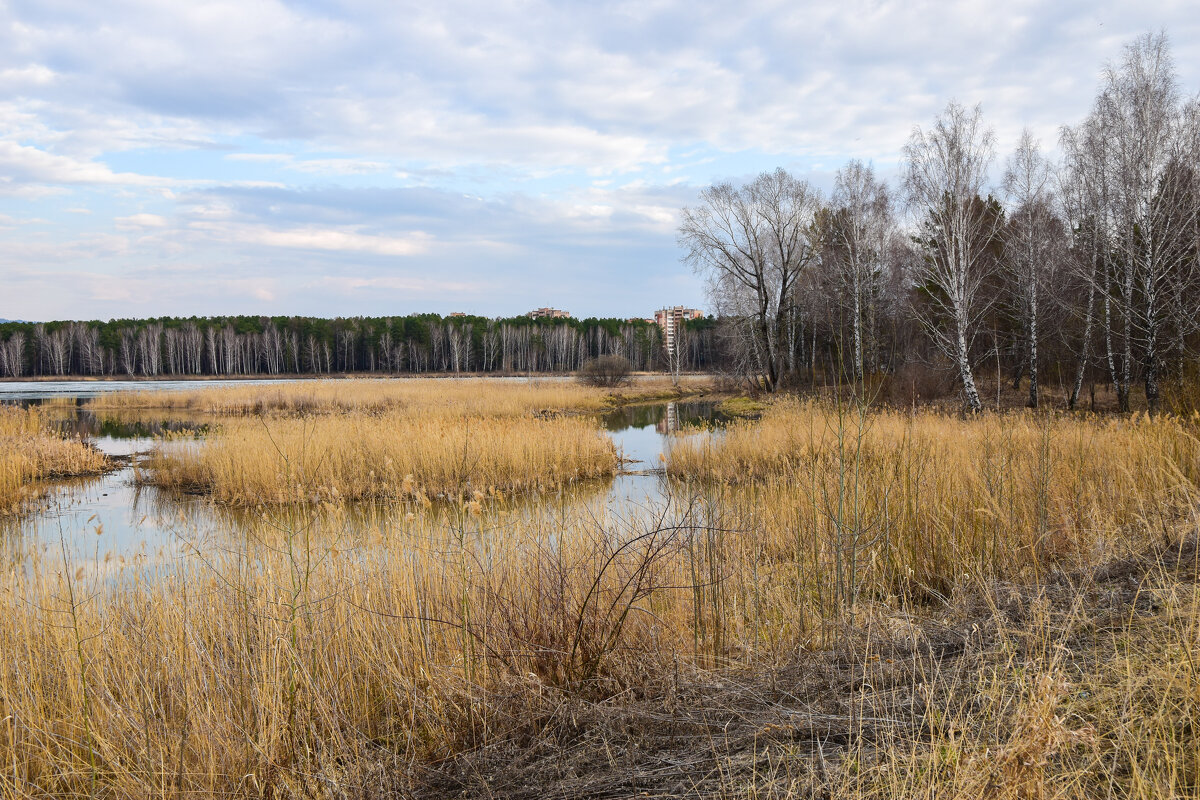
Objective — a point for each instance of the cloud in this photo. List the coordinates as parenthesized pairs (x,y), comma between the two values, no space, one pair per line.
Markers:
(345,239)
(394,283)
(219,155)
(339,166)
(7,220)
(29,77)
(338,250)
(325,166)
(136,221)
(542,85)
(261,158)
(22,165)
(637,208)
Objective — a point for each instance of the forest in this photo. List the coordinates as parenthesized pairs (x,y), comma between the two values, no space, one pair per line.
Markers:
(1082,266)
(249,345)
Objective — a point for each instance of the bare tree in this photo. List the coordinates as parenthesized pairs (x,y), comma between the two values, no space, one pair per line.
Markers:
(1030,242)
(12,355)
(945,171)
(491,347)
(860,229)
(1145,142)
(606,371)
(1083,193)
(753,243)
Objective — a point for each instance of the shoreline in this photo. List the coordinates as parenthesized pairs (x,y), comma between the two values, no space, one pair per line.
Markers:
(302,376)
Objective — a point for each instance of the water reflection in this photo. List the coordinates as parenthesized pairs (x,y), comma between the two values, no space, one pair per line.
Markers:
(116,431)
(644,436)
(111,521)
(665,417)
(76,392)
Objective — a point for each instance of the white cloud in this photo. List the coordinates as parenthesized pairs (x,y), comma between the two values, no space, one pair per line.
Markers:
(552,143)
(5,219)
(541,85)
(323,166)
(345,239)
(21,165)
(136,221)
(339,166)
(396,283)
(17,79)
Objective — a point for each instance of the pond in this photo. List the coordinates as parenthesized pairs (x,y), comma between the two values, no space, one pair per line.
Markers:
(111,521)
(26,392)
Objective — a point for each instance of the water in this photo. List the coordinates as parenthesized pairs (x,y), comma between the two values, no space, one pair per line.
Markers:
(110,521)
(29,392)
(644,436)
(25,392)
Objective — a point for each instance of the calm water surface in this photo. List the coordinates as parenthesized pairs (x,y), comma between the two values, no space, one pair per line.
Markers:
(111,521)
(40,391)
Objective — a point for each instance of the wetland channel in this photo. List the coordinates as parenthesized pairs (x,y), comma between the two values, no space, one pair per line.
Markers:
(111,521)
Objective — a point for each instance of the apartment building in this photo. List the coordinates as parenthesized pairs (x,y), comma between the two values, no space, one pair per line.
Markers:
(548,313)
(670,319)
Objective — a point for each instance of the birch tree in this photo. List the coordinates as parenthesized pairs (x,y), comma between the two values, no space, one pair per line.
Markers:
(1029,244)
(12,355)
(861,226)
(1083,196)
(1149,163)
(945,171)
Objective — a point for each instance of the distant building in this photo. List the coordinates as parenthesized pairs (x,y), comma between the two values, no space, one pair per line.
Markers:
(549,313)
(670,319)
(458,313)
(676,314)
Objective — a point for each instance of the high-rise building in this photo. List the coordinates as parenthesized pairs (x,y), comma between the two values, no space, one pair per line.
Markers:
(670,320)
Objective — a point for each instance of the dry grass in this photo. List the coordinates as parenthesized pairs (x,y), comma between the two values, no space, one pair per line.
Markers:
(450,397)
(384,440)
(382,456)
(858,606)
(31,451)
(279,668)
(1083,687)
(559,659)
(908,504)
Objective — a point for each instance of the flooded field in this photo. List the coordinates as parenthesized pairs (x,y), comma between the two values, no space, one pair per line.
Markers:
(117,519)
(318,589)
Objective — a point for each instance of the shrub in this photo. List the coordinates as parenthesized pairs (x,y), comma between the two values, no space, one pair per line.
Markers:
(914,383)
(606,371)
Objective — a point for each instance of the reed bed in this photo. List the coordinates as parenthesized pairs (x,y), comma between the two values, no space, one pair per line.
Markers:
(246,669)
(381,456)
(32,451)
(865,605)
(908,504)
(449,397)
(286,661)
(382,440)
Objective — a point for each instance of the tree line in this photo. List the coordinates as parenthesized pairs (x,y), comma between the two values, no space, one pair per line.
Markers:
(253,345)
(1084,267)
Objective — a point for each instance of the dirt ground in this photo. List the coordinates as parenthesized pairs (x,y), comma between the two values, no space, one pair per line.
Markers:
(829,724)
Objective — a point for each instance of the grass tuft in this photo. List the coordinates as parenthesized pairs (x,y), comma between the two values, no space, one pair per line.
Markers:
(32,451)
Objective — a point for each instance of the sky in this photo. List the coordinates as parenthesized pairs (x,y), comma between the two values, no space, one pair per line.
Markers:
(386,158)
